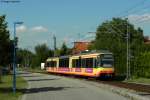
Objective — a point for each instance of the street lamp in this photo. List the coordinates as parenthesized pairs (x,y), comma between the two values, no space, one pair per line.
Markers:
(14,57)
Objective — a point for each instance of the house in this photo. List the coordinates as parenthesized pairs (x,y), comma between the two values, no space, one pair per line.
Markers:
(147,40)
(80,46)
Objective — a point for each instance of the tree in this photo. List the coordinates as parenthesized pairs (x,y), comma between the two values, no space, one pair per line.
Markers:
(24,57)
(111,35)
(142,65)
(42,52)
(5,44)
(64,50)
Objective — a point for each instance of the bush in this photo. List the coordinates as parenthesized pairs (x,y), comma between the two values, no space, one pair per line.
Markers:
(142,65)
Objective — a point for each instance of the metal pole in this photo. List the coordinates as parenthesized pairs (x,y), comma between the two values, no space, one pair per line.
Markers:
(54,37)
(14,61)
(127,53)
(54,42)
(14,58)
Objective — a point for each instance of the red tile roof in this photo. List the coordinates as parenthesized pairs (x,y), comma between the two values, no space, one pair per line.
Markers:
(80,46)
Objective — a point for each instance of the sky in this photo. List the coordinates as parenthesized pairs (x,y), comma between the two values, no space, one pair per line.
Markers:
(69,20)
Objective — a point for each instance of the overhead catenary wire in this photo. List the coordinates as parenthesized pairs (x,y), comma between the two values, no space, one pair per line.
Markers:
(125,13)
(131,11)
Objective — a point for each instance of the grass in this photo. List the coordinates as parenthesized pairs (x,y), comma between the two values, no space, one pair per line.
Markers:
(6,92)
(34,70)
(37,70)
(140,80)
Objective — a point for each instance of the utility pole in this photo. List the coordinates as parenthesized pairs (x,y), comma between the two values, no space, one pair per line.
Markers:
(54,37)
(128,53)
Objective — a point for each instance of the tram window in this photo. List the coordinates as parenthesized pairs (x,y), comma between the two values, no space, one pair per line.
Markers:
(64,62)
(83,61)
(95,63)
(53,63)
(67,62)
(60,63)
(80,63)
(73,63)
(107,63)
(48,64)
(76,63)
(89,62)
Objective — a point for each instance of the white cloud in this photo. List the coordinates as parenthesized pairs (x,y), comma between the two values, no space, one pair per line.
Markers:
(21,29)
(39,29)
(139,18)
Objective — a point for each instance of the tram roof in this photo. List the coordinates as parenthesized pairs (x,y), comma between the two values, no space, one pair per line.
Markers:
(63,57)
(94,52)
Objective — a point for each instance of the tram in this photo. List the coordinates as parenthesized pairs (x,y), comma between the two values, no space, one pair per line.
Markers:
(92,64)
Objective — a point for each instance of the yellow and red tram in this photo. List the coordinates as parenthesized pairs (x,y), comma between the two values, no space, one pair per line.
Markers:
(95,64)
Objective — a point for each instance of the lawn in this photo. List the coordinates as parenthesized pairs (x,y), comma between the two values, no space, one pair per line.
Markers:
(34,70)
(140,80)
(6,88)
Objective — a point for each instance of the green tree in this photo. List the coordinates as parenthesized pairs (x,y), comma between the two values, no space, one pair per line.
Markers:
(5,42)
(57,52)
(142,65)
(111,35)
(42,52)
(6,45)
(24,57)
(64,50)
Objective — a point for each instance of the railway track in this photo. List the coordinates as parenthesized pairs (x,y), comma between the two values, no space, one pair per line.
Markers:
(133,86)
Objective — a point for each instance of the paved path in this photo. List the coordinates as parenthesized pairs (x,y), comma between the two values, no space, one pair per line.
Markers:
(50,87)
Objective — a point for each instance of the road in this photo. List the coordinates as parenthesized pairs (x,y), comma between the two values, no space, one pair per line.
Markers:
(51,87)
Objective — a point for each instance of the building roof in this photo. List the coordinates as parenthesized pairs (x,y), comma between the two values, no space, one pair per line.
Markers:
(147,39)
(80,46)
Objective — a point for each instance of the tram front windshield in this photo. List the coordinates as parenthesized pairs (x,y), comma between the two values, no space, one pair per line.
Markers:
(105,61)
